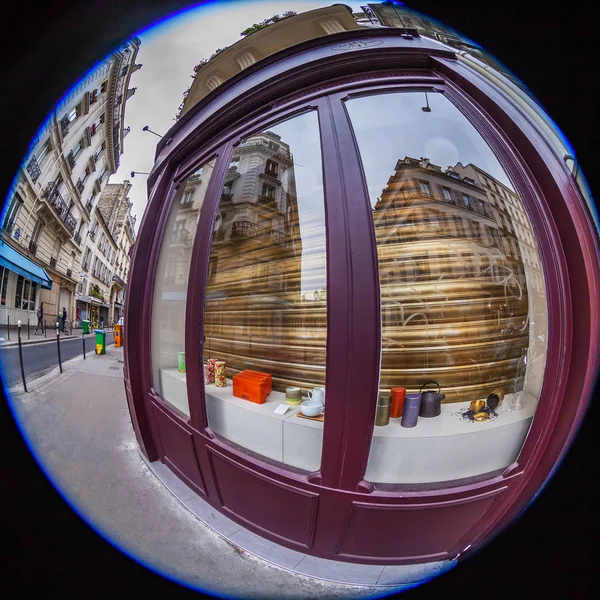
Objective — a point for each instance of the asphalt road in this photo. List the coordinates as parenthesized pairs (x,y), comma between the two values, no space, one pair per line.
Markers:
(39,359)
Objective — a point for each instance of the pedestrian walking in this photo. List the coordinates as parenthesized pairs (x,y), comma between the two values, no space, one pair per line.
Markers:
(40,318)
(63,319)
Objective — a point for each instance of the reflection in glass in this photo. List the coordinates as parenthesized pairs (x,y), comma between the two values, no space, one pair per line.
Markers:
(170,290)
(265,305)
(462,293)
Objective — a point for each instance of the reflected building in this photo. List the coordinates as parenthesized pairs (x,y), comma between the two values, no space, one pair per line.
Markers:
(257,314)
(453,288)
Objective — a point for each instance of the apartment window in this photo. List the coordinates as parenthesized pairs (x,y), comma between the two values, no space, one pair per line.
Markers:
(446,193)
(272,168)
(25,294)
(104,87)
(3,283)
(187,197)
(37,230)
(466,201)
(44,151)
(268,191)
(12,212)
(97,124)
(424,188)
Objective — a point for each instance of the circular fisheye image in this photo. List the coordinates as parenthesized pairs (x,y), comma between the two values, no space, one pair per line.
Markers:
(298,300)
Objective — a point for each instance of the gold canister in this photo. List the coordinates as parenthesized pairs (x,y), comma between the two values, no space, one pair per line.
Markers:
(382,416)
(494,400)
(480,417)
(477,406)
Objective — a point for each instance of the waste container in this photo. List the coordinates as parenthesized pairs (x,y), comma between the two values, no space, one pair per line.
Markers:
(85,326)
(118,336)
(100,341)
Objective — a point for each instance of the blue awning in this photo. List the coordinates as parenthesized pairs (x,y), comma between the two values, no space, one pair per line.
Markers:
(16,262)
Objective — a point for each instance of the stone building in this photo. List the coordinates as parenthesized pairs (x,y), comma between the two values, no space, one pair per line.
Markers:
(50,209)
(211,73)
(105,264)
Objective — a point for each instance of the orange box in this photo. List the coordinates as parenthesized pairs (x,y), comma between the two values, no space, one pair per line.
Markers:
(251,387)
(263,375)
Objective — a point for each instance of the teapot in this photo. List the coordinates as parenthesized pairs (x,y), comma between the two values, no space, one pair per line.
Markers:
(431,402)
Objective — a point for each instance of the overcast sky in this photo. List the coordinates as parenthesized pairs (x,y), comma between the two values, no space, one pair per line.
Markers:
(168,53)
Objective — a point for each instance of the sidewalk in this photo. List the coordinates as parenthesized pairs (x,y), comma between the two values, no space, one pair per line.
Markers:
(40,338)
(79,426)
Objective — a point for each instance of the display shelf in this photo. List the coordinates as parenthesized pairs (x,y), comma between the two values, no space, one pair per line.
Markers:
(450,422)
(441,448)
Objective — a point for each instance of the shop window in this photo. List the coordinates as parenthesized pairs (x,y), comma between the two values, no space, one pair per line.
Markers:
(266,306)
(477,329)
(26,294)
(170,289)
(4,272)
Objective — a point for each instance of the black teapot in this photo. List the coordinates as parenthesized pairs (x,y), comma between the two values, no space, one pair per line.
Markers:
(431,402)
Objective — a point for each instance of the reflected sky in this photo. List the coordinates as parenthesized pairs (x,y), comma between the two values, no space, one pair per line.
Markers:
(389,127)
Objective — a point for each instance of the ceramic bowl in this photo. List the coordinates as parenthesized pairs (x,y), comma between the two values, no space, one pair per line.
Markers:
(311,408)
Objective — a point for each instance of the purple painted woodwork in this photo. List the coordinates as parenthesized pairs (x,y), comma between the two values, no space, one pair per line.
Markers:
(178,451)
(353,517)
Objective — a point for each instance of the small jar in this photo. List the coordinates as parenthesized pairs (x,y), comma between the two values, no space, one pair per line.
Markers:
(494,400)
(382,416)
(398,395)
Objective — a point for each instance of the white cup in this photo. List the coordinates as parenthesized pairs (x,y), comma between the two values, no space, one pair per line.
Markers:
(317,394)
(311,408)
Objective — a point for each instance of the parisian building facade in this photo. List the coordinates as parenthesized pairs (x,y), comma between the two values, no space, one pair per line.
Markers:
(51,212)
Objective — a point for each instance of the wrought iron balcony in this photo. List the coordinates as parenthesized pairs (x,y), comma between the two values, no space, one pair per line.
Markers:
(8,225)
(64,125)
(77,238)
(80,186)
(61,208)
(32,248)
(226,197)
(246,229)
(69,272)
(88,205)
(71,159)
(180,236)
(92,235)
(33,169)
(53,262)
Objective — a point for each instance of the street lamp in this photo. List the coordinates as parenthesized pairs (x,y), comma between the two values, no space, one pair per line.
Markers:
(133,173)
(146,128)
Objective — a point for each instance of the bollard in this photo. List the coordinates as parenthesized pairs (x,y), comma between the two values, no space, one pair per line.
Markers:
(8,326)
(28,336)
(83,340)
(45,328)
(21,356)
(58,345)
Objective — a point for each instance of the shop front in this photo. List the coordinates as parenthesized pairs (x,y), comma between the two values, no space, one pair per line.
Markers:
(368,225)
(83,304)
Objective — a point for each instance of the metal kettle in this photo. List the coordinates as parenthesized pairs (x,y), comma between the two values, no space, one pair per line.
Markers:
(431,402)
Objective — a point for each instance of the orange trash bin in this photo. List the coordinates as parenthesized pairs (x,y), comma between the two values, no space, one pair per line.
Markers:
(118,336)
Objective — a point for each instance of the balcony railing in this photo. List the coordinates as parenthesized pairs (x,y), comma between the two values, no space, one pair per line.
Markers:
(77,238)
(88,205)
(59,205)
(71,159)
(119,282)
(53,263)
(226,197)
(246,229)
(69,272)
(180,236)
(33,169)
(80,186)
(32,248)
(92,235)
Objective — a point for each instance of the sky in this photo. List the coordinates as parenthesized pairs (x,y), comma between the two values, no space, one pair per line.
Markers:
(168,52)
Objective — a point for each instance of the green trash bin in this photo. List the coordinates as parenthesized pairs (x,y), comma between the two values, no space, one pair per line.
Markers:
(85,326)
(100,341)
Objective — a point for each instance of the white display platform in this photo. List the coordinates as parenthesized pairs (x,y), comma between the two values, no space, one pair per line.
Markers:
(442,448)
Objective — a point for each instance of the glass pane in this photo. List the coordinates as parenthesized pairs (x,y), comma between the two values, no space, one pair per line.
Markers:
(462,294)
(266,299)
(170,290)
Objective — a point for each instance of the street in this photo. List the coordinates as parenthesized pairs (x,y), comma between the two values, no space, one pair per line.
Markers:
(38,359)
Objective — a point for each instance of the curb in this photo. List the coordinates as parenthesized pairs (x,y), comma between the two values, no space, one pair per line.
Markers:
(35,384)
(43,341)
